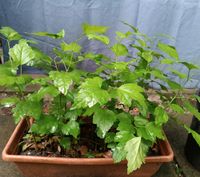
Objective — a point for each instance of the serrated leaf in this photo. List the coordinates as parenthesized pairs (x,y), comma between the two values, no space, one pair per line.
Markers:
(119,153)
(161,116)
(140,121)
(136,153)
(195,135)
(101,38)
(27,108)
(9,101)
(128,92)
(169,50)
(21,53)
(58,35)
(73,47)
(109,137)
(73,114)
(93,29)
(104,119)
(119,49)
(61,80)
(71,128)
(90,93)
(123,136)
(192,109)
(147,55)
(10,33)
(177,108)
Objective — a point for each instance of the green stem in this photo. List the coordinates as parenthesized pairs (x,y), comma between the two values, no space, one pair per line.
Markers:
(55,63)
(8,43)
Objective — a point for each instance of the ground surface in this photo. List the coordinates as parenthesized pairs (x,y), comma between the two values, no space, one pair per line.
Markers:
(176,135)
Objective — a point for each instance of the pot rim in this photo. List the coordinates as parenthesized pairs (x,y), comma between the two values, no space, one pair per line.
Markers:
(8,153)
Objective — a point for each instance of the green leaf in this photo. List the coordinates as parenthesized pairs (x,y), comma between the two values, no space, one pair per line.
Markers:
(123,35)
(167,61)
(169,50)
(177,108)
(101,38)
(42,92)
(125,122)
(136,153)
(9,101)
(65,142)
(91,93)
(132,27)
(119,153)
(179,74)
(140,121)
(142,42)
(190,66)
(123,136)
(93,29)
(45,125)
(173,85)
(192,109)
(58,35)
(110,137)
(119,49)
(73,114)
(128,92)
(21,53)
(6,69)
(61,80)
(73,47)
(27,108)
(161,116)
(104,119)
(40,60)
(10,33)
(195,135)
(147,55)
(71,128)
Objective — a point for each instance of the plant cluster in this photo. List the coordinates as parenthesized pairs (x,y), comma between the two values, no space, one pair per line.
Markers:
(115,97)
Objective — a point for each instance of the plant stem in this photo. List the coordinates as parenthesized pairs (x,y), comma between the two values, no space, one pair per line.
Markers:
(55,63)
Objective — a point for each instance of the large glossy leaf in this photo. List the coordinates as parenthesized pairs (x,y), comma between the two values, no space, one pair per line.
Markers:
(101,38)
(61,80)
(128,92)
(90,93)
(104,120)
(58,35)
(21,53)
(161,116)
(169,50)
(119,49)
(10,33)
(93,29)
(73,47)
(27,108)
(71,128)
(136,152)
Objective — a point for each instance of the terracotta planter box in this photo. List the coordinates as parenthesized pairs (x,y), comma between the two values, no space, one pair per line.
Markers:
(32,166)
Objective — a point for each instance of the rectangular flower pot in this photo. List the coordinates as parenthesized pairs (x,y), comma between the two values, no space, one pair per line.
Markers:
(35,166)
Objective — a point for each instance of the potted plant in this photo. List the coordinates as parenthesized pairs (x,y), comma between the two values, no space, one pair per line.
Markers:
(92,123)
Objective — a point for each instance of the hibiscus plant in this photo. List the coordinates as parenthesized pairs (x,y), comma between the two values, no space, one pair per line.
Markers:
(116,99)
